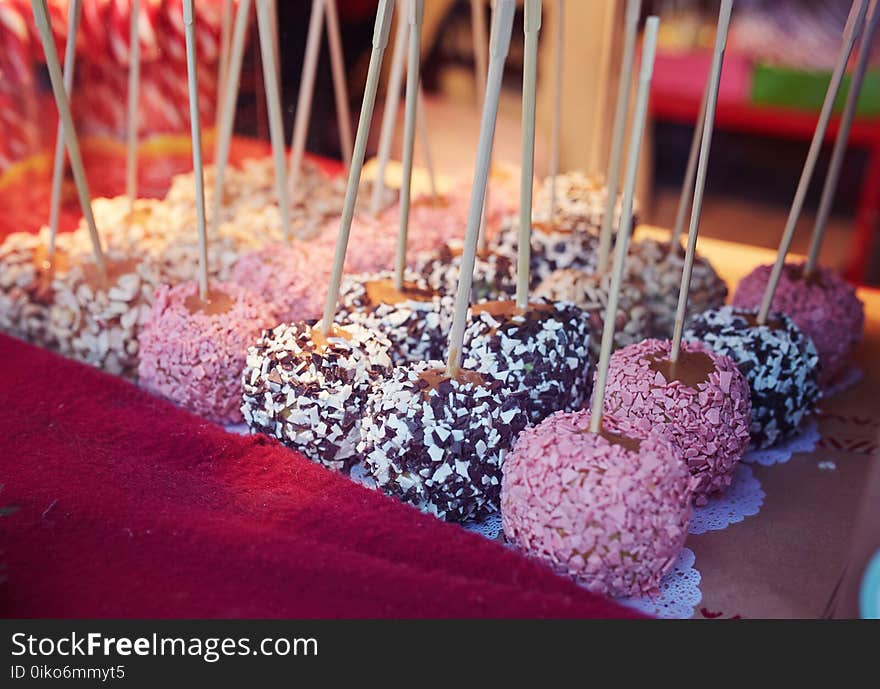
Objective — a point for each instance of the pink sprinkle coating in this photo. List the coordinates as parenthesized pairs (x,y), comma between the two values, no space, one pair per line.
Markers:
(371,245)
(825,308)
(196,359)
(612,519)
(293,278)
(709,424)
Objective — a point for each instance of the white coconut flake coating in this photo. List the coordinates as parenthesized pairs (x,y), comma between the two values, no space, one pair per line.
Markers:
(416,321)
(26,278)
(660,272)
(142,228)
(311,394)
(543,353)
(494,274)
(580,201)
(100,322)
(553,248)
(590,291)
(778,360)
(438,443)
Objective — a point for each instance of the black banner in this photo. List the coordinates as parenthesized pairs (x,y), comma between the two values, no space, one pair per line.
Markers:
(455,653)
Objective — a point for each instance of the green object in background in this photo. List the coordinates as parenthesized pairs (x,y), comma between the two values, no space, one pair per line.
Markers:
(792,88)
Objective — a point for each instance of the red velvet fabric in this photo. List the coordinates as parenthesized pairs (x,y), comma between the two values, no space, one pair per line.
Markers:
(125,506)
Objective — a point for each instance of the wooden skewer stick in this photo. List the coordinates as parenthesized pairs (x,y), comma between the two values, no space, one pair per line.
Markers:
(340,87)
(267,32)
(633,9)
(853,28)
(41,16)
(415,15)
(192,80)
(556,129)
(222,71)
(480,41)
(380,40)
(849,111)
(531,28)
(481,62)
(601,109)
(711,102)
(499,43)
(74,12)
(389,115)
(687,187)
(134,83)
(276,44)
(227,111)
(306,92)
(649,47)
(425,142)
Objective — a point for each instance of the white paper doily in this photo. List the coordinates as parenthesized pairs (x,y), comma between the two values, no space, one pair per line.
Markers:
(743,498)
(490,527)
(679,591)
(852,377)
(805,441)
(237,428)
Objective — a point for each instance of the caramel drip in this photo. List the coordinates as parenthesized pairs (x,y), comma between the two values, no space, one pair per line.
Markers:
(46,271)
(384,292)
(629,444)
(458,249)
(321,340)
(432,378)
(796,272)
(549,227)
(138,216)
(752,320)
(216,304)
(428,201)
(691,369)
(60,261)
(115,270)
(509,309)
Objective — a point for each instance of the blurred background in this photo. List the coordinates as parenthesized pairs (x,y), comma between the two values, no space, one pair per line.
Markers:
(776,70)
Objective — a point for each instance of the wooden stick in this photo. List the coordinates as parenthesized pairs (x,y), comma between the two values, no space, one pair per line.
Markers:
(840,143)
(276,45)
(499,43)
(41,16)
(633,10)
(227,112)
(853,28)
(223,71)
(425,143)
(74,12)
(556,130)
(602,86)
(380,40)
(687,187)
(649,46)
(481,61)
(192,80)
(531,29)
(389,115)
(711,102)
(266,22)
(134,81)
(340,85)
(306,92)
(480,40)
(415,15)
